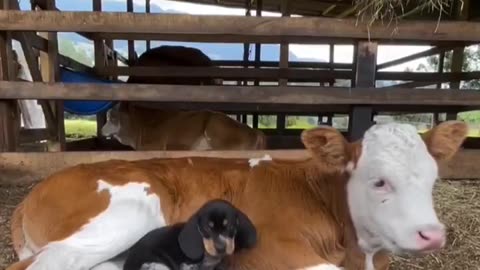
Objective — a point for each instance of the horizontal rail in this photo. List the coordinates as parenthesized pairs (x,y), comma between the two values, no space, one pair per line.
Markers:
(239,94)
(230,28)
(27,167)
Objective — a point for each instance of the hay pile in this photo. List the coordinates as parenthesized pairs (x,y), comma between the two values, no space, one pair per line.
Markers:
(458,204)
(383,11)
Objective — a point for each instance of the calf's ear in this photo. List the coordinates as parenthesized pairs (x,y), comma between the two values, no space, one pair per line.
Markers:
(327,146)
(444,140)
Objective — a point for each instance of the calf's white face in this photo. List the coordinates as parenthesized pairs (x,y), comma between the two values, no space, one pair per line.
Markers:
(390,191)
(392,174)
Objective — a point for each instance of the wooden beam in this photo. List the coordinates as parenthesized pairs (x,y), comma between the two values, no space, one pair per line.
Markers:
(227,73)
(429,52)
(456,66)
(361,117)
(147,10)
(29,167)
(130,43)
(296,109)
(240,94)
(9,111)
(98,43)
(409,85)
(434,77)
(292,64)
(50,73)
(227,28)
(44,5)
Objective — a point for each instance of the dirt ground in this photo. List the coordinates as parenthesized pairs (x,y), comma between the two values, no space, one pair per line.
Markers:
(458,204)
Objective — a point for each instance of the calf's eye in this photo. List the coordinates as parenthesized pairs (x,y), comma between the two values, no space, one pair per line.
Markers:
(379,183)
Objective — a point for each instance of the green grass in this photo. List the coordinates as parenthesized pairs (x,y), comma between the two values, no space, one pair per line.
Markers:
(80,129)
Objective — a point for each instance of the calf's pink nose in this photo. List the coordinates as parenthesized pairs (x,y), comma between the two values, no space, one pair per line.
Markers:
(429,240)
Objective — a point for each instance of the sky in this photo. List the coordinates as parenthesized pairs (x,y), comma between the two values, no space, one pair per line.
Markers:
(342,54)
(303,52)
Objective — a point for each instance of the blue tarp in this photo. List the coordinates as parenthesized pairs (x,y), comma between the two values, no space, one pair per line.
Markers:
(83,107)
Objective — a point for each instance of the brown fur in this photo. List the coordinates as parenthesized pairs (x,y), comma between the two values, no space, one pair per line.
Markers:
(16,226)
(153,129)
(209,247)
(298,207)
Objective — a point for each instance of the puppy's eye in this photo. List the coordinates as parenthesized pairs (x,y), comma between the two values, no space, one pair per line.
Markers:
(225,222)
(210,224)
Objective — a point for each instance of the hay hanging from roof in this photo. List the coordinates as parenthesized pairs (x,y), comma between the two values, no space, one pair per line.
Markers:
(393,10)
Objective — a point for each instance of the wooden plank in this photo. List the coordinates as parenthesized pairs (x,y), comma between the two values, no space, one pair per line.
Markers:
(130,42)
(456,66)
(226,28)
(292,64)
(147,10)
(361,117)
(240,94)
(98,43)
(227,73)
(294,109)
(268,39)
(9,111)
(27,167)
(434,77)
(51,74)
(426,53)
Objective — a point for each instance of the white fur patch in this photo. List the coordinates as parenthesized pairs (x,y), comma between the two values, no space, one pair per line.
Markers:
(24,253)
(323,266)
(255,161)
(131,213)
(154,266)
(201,144)
(390,216)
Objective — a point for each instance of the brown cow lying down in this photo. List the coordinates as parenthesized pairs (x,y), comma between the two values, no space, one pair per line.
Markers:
(326,212)
(153,129)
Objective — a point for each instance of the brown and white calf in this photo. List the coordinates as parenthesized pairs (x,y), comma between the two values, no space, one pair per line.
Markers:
(325,212)
(153,129)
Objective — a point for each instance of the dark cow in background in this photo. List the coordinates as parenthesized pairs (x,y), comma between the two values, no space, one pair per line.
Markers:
(156,129)
(173,56)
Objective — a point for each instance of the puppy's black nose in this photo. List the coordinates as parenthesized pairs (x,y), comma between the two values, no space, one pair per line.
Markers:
(220,246)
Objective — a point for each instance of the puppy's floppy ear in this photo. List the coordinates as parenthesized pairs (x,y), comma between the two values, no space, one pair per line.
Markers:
(190,239)
(246,232)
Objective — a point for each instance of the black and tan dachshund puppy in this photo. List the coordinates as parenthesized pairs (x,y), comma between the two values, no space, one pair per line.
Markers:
(216,230)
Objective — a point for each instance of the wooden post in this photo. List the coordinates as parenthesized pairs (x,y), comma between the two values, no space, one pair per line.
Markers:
(9,111)
(100,63)
(258,53)
(457,66)
(51,73)
(147,10)
(441,64)
(131,43)
(361,117)
(284,55)
(458,53)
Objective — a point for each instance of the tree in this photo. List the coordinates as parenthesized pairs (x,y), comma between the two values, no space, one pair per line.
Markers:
(471,62)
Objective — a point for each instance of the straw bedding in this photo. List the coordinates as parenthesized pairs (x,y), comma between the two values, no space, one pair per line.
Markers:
(458,204)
